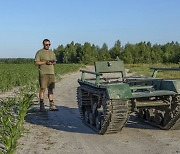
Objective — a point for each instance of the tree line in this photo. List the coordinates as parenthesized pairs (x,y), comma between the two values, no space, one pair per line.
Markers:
(87,53)
(16,60)
(143,52)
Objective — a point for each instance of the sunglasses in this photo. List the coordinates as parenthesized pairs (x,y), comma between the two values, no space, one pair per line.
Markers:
(47,44)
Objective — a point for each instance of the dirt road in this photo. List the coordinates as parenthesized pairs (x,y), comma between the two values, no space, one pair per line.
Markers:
(63,132)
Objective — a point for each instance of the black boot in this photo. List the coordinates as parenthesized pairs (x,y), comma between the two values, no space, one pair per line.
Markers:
(42,108)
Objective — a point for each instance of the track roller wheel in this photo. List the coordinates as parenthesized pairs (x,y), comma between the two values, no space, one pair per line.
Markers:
(98,121)
(102,120)
(158,118)
(141,113)
(92,119)
(86,116)
(149,114)
(167,118)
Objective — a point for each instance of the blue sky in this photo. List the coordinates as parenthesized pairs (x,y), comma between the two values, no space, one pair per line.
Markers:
(24,24)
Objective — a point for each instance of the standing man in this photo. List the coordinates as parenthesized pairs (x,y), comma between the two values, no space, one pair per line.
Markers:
(45,59)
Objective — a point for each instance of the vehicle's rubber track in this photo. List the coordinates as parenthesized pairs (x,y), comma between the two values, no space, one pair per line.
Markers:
(173,124)
(119,116)
(116,113)
(80,99)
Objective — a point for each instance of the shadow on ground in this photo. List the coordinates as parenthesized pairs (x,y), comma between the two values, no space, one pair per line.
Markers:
(68,120)
(135,122)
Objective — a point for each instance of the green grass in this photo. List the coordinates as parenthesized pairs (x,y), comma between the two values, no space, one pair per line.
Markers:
(61,69)
(12,114)
(143,69)
(15,75)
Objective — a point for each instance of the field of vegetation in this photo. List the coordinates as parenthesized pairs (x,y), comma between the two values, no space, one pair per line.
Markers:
(24,77)
(144,70)
(15,75)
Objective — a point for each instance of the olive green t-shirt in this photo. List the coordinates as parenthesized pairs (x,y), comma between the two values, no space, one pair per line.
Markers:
(44,55)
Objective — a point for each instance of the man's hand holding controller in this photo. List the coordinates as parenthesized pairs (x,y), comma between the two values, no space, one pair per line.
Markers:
(50,62)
